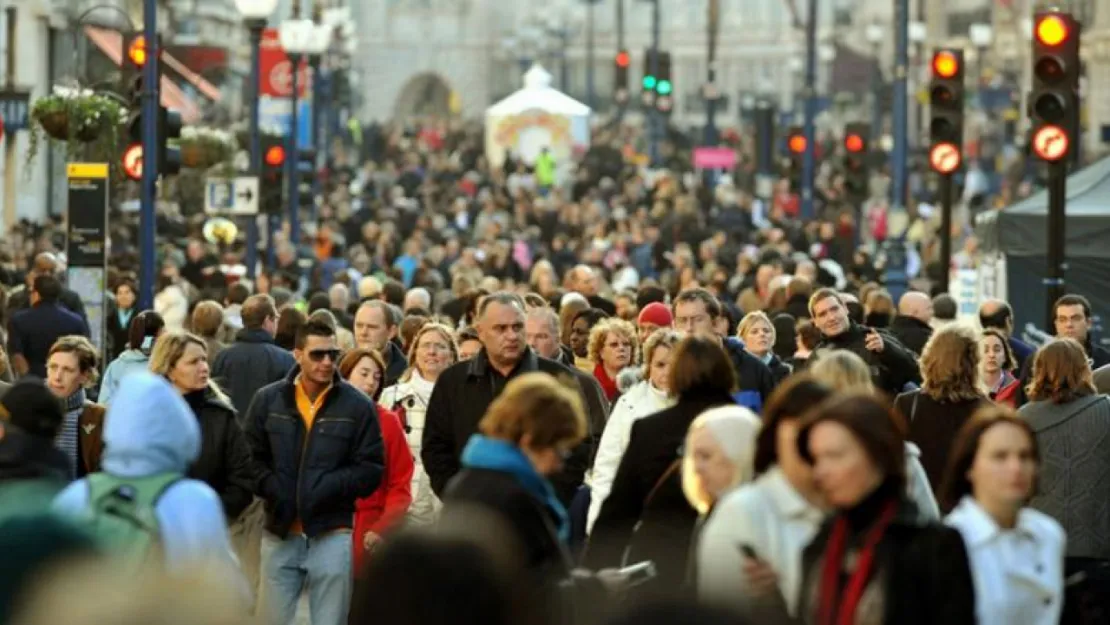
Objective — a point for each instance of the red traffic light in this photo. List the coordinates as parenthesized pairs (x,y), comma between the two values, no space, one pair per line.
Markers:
(945,158)
(1051,143)
(1052,30)
(945,64)
(132,161)
(854,143)
(623,59)
(275,156)
(796,144)
(136,52)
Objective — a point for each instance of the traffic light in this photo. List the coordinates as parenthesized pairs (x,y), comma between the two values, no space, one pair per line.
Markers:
(272,179)
(132,67)
(306,178)
(620,75)
(650,80)
(857,177)
(132,83)
(1054,103)
(664,88)
(169,129)
(796,149)
(946,104)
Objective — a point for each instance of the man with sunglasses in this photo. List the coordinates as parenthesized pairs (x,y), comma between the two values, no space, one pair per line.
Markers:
(316,447)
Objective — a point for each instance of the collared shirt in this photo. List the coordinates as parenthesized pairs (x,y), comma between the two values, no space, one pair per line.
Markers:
(307,408)
(1018,573)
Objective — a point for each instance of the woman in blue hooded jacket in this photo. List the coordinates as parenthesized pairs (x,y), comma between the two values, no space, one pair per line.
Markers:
(144,330)
(525,436)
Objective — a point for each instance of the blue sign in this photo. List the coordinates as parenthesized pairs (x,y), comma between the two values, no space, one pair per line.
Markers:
(15,110)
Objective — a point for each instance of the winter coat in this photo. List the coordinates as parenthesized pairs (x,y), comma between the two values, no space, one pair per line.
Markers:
(408,400)
(130,361)
(224,461)
(933,426)
(756,381)
(248,364)
(382,511)
(891,369)
(911,332)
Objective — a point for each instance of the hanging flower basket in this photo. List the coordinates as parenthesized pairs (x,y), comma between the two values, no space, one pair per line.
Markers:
(86,121)
(55,124)
(203,147)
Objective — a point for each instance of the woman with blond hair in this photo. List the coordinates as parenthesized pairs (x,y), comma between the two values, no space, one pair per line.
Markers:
(1067,413)
(612,347)
(951,391)
(433,350)
(224,461)
(846,372)
(758,334)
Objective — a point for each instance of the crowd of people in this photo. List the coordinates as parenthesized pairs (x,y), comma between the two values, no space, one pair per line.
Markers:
(472,397)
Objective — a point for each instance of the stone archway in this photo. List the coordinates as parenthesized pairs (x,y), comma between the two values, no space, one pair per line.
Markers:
(424,95)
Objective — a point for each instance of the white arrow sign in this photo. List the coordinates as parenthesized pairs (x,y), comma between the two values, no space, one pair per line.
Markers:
(231,196)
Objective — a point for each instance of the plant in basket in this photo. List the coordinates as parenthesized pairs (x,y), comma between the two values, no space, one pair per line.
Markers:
(202,147)
(85,121)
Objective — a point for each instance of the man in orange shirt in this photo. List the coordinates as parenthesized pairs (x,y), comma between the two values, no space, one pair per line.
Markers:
(316,447)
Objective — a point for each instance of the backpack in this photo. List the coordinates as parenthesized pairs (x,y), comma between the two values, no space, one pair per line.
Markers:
(122,518)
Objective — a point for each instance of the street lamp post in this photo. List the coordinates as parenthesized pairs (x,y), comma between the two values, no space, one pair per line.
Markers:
(875,35)
(296,38)
(255,14)
(809,161)
(918,32)
(321,39)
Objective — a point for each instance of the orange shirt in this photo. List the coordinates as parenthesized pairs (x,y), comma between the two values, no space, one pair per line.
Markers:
(307,408)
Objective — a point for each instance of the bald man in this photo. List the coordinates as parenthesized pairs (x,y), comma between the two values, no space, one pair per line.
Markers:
(583,280)
(911,326)
(46,264)
(997,314)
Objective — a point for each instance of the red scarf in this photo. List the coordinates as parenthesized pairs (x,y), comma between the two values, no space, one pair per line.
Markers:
(608,385)
(857,582)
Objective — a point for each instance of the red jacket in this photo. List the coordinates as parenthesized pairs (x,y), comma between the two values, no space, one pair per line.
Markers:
(1008,391)
(384,509)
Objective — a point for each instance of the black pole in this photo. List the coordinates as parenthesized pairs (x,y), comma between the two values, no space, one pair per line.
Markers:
(655,117)
(711,75)
(255,27)
(945,231)
(1057,262)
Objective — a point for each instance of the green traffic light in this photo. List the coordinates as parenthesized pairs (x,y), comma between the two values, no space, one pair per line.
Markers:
(664,87)
(649,82)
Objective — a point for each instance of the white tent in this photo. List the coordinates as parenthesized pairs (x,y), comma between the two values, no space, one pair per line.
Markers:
(535,117)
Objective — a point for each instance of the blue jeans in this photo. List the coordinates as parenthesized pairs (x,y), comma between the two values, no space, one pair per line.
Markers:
(323,563)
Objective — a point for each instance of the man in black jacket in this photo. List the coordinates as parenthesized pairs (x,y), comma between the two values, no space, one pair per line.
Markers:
(253,360)
(46,264)
(911,326)
(465,390)
(316,447)
(893,366)
(696,311)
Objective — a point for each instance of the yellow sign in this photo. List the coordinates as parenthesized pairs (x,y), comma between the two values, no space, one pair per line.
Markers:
(87,170)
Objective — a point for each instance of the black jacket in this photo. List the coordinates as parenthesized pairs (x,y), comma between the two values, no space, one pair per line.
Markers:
(26,457)
(248,364)
(317,480)
(911,332)
(779,369)
(597,406)
(891,369)
(756,380)
(225,460)
(69,299)
(666,523)
(395,364)
(927,578)
(459,401)
(115,332)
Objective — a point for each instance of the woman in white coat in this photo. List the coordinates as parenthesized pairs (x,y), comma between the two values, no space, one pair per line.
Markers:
(646,397)
(432,350)
(1016,553)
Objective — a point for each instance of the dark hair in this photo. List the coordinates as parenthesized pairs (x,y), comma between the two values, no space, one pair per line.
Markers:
(944,307)
(48,288)
(256,310)
(1068,300)
(393,292)
(353,357)
(786,335)
(650,294)
(878,428)
(313,327)
(998,319)
(238,293)
(289,324)
(145,324)
(319,301)
(1010,363)
(698,294)
(592,316)
(30,406)
(700,366)
(966,446)
(791,400)
(811,335)
(466,334)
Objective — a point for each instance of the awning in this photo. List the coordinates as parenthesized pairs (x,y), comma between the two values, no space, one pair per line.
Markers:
(110,43)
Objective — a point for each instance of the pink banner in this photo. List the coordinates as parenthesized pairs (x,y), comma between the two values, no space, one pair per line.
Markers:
(714,158)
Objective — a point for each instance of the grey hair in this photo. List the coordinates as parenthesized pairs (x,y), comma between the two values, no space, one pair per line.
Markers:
(421,294)
(548,315)
(505,298)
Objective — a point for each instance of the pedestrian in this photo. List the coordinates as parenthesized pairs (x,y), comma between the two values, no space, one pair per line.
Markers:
(759,337)
(70,370)
(118,321)
(254,359)
(145,328)
(998,366)
(207,322)
(1016,552)
(912,327)
(32,469)
(612,346)
(224,460)
(907,571)
(375,328)
(32,331)
(316,448)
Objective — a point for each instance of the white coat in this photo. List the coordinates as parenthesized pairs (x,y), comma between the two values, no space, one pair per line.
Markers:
(411,398)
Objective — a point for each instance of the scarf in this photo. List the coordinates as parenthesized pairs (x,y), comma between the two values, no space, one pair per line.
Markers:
(608,384)
(422,387)
(124,317)
(482,452)
(830,613)
(75,401)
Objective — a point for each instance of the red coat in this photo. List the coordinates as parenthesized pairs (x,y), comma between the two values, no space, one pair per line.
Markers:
(1008,392)
(385,508)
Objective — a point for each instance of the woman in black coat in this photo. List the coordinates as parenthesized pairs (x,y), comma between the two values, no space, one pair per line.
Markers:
(224,461)
(874,560)
(118,320)
(647,489)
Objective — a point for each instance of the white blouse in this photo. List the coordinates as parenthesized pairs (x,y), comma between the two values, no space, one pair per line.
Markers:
(1019,573)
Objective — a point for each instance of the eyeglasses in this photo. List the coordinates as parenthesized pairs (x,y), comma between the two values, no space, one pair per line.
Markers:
(318,355)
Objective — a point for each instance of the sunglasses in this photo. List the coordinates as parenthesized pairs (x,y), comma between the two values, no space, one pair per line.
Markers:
(318,355)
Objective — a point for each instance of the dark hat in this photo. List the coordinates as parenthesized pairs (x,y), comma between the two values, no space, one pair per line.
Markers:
(31,407)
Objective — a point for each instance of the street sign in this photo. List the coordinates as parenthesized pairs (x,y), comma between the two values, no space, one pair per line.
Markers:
(133,161)
(231,196)
(87,241)
(1051,143)
(15,110)
(945,158)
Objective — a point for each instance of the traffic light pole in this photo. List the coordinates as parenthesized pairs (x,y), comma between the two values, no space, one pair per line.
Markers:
(945,230)
(655,117)
(291,160)
(1057,263)
(809,161)
(255,27)
(896,280)
(149,183)
(711,76)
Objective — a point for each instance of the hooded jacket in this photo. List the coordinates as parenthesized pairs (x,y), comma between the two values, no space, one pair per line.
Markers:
(128,362)
(151,431)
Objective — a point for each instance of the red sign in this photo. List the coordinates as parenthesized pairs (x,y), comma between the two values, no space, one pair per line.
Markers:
(1051,143)
(277,76)
(714,158)
(133,161)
